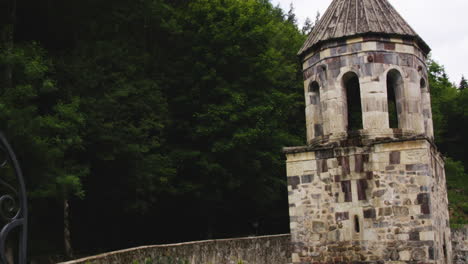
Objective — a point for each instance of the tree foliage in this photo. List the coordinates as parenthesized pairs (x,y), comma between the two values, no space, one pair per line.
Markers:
(152,112)
(450,115)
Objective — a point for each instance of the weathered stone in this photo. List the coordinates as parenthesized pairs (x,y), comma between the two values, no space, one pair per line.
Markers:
(424,200)
(318,128)
(417,167)
(431,253)
(342,216)
(395,157)
(324,154)
(361,188)
(318,227)
(369,213)
(346,189)
(344,163)
(294,181)
(414,236)
(307,178)
(379,193)
(418,254)
(385,211)
(400,211)
(322,166)
(394,256)
(358,163)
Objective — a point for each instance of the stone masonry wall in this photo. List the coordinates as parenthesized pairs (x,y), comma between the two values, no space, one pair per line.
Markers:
(460,245)
(270,249)
(379,202)
(253,250)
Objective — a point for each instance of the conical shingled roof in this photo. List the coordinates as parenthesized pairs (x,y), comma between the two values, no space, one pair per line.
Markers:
(346,18)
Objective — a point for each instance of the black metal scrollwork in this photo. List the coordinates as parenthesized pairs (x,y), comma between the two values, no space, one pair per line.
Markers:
(13,202)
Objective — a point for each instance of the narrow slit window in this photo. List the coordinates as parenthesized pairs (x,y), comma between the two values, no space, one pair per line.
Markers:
(352,91)
(394,92)
(357,226)
(445,251)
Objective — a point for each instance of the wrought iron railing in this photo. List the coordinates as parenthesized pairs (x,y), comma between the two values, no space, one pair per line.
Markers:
(13,207)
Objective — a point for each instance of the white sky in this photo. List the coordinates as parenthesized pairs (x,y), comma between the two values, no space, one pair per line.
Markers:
(443,24)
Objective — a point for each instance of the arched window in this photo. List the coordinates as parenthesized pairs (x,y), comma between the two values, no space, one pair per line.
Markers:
(394,95)
(314,95)
(422,83)
(352,91)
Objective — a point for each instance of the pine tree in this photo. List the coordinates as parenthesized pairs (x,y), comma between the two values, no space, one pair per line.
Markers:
(291,17)
(317,18)
(307,28)
(463,83)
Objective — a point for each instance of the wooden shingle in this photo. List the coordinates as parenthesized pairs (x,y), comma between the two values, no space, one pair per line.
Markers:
(349,18)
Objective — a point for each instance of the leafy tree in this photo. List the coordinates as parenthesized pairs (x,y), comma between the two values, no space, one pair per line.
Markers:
(450,117)
(230,126)
(45,125)
(457,192)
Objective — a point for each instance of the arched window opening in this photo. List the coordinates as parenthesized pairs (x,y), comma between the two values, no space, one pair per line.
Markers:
(352,91)
(314,95)
(422,83)
(314,90)
(357,226)
(394,92)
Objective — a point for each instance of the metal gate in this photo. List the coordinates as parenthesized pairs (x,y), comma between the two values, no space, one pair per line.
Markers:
(13,205)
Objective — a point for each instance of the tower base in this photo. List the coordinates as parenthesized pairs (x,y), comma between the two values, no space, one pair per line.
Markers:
(375,201)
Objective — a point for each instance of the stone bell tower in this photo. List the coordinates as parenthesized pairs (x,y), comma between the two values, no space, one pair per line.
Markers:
(370,185)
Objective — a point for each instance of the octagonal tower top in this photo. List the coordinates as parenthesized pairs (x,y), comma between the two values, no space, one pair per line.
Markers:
(353,18)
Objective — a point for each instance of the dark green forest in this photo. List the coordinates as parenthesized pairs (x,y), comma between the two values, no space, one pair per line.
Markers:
(157,121)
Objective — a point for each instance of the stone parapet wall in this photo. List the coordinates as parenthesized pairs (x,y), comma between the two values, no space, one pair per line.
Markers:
(256,250)
(252,250)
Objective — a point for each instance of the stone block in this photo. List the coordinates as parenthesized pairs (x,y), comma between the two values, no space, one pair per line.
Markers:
(405,255)
(307,178)
(322,166)
(423,199)
(427,236)
(395,157)
(342,216)
(418,254)
(346,189)
(362,187)
(369,213)
(400,211)
(386,211)
(318,227)
(294,181)
(414,236)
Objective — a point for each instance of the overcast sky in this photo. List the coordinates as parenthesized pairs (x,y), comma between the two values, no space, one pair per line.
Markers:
(442,24)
